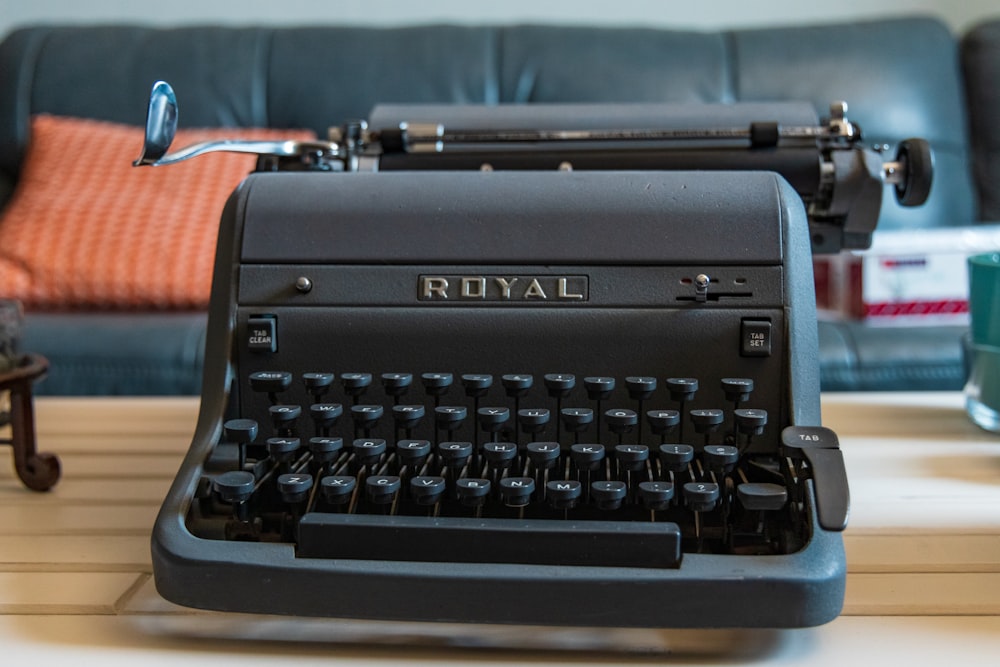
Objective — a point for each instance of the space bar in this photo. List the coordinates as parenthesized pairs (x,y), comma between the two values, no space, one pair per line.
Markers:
(470,540)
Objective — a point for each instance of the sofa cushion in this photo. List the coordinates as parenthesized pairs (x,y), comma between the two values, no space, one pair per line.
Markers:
(981,64)
(85,230)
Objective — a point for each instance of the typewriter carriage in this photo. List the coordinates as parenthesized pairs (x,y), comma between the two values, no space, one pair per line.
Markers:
(840,181)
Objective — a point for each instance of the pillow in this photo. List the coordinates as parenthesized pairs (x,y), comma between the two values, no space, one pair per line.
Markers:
(86,230)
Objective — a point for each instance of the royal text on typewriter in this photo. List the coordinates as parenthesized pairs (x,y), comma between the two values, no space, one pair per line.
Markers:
(518,373)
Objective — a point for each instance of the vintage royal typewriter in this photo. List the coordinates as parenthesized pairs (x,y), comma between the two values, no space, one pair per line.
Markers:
(516,366)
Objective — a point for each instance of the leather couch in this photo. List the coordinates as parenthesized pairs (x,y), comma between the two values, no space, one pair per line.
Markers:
(902,77)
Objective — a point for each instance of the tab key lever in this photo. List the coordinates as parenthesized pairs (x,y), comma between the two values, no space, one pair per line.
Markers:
(820,448)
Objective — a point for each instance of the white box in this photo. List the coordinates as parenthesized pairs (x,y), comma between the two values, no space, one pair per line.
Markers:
(906,277)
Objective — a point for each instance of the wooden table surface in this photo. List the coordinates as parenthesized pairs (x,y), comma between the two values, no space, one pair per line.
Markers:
(923,551)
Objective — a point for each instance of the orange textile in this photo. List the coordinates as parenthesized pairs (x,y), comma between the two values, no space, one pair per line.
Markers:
(86,230)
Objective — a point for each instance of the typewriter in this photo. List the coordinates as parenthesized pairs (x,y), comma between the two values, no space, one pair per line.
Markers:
(520,375)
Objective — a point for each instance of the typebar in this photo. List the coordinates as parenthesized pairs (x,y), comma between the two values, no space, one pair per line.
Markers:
(470,540)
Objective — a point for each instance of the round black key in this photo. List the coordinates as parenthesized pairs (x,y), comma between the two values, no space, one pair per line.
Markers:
(317,384)
(396,384)
(425,490)
(382,489)
(516,491)
(284,416)
(337,489)
(476,384)
(599,388)
(563,494)
(720,458)
(620,420)
(294,487)
(661,421)
(499,454)
(632,457)
(240,431)
(706,421)
(492,420)
(750,421)
(235,486)
(737,390)
(436,384)
(543,454)
(517,385)
(576,419)
(454,453)
(533,420)
(559,385)
(368,450)
(608,495)
(676,457)
(762,496)
(369,447)
(472,491)
(325,449)
(325,415)
(270,382)
(640,388)
(282,448)
(656,495)
(587,457)
(407,416)
(682,389)
(450,417)
(366,416)
(412,451)
(701,496)
(355,384)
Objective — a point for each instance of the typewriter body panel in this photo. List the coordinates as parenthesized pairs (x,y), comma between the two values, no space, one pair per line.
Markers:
(522,278)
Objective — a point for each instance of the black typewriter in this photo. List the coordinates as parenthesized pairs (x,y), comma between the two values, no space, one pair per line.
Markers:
(493,389)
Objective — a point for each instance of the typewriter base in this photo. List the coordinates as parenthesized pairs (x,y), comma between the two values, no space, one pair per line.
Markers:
(708,591)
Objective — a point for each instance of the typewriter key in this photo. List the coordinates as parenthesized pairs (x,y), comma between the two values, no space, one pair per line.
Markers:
(676,458)
(365,417)
(516,491)
(608,495)
(367,451)
(436,385)
(396,384)
(241,432)
(271,383)
(355,384)
(294,487)
(317,384)
(412,452)
(325,449)
(473,492)
(283,417)
(707,422)
(656,496)
(324,416)
(662,422)
(720,458)
(762,496)
(563,494)
(337,489)
(425,490)
(407,417)
(492,420)
(382,489)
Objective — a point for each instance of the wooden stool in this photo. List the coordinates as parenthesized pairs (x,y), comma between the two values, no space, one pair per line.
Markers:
(38,470)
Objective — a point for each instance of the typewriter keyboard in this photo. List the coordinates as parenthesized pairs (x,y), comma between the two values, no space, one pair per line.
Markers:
(553,469)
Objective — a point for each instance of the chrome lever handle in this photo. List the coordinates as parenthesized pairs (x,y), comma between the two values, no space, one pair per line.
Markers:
(161,127)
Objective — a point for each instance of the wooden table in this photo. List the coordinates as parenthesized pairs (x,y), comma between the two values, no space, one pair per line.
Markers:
(923,551)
